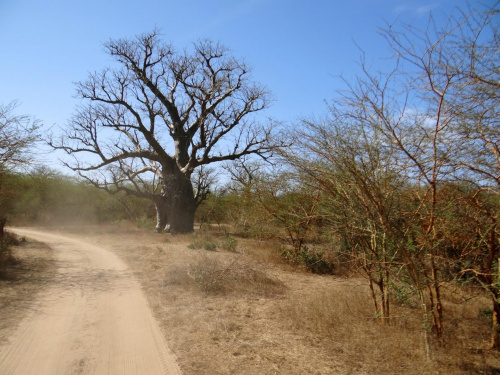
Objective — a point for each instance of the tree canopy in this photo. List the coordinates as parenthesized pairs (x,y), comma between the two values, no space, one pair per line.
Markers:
(18,133)
(148,124)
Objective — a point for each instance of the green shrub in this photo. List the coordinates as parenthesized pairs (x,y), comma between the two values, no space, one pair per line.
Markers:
(229,243)
(210,246)
(144,222)
(403,293)
(313,261)
(486,314)
(197,244)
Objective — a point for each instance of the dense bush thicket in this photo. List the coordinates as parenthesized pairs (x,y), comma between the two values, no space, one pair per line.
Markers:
(402,177)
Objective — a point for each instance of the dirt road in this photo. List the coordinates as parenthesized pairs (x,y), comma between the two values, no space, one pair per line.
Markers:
(93,319)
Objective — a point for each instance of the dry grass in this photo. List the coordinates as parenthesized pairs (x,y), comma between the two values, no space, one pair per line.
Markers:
(222,276)
(266,252)
(28,267)
(339,319)
(230,312)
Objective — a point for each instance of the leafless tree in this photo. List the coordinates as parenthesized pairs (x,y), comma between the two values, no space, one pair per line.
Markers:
(18,134)
(161,115)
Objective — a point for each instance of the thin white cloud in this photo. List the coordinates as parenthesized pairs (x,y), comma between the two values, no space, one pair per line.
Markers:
(418,10)
(225,13)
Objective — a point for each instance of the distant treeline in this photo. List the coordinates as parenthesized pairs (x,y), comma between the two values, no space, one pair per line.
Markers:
(46,197)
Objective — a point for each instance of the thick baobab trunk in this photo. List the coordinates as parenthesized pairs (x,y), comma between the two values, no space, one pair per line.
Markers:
(176,206)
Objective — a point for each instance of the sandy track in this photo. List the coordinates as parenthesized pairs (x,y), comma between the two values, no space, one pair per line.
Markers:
(93,319)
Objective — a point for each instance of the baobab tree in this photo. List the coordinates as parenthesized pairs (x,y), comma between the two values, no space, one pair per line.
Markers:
(148,125)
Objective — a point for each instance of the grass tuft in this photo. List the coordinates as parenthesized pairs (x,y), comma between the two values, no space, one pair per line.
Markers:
(220,276)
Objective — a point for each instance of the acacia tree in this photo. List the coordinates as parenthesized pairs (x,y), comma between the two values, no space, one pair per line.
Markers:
(438,110)
(18,133)
(353,166)
(161,115)
(478,110)
(287,199)
(457,76)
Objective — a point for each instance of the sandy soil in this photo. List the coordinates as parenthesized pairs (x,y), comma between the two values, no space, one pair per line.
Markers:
(92,319)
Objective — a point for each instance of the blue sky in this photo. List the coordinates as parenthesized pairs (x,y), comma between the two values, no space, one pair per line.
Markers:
(296,48)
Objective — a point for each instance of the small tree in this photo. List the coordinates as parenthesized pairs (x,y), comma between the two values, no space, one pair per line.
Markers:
(18,134)
(292,205)
(162,115)
(455,77)
(353,167)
